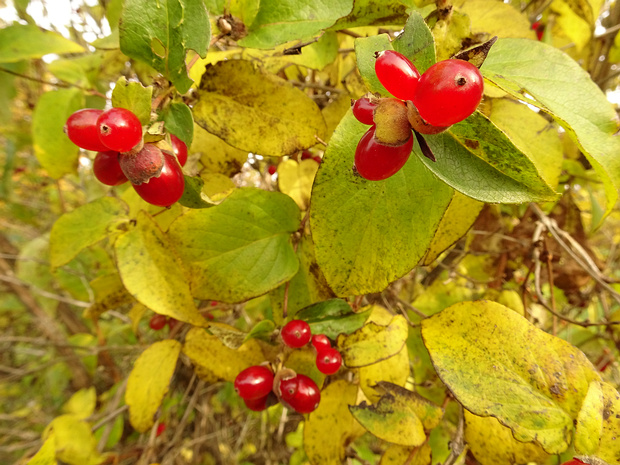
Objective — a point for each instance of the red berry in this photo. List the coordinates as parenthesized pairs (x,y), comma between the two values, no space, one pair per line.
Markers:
(160,429)
(448,92)
(328,361)
(397,74)
(271,169)
(363,110)
(306,154)
(320,342)
(574,461)
(107,169)
(254,382)
(119,129)
(179,148)
(307,397)
(172,322)
(296,333)
(375,161)
(540,29)
(317,159)
(257,405)
(288,388)
(142,166)
(157,322)
(81,128)
(166,188)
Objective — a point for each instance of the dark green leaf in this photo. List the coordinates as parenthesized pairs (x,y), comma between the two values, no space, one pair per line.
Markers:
(416,43)
(192,197)
(22,42)
(179,121)
(332,317)
(133,96)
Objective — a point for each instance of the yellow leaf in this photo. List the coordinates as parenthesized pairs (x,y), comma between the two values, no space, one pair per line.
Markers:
(496,19)
(493,444)
(135,315)
(609,415)
(216,155)
(109,294)
(214,361)
(256,111)
(373,343)
(73,440)
(295,180)
(149,381)
(152,273)
(574,25)
(394,370)
(398,455)
(46,454)
(498,364)
(331,427)
(455,222)
(82,403)
(589,425)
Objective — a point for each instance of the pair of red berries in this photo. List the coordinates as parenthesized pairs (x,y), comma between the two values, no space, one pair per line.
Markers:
(158,322)
(257,387)
(117,136)
(297,333)
(448,92)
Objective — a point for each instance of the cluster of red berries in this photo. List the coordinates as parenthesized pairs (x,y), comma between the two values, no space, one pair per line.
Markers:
(158,322)
(259,387)
(116,134)
(448,92)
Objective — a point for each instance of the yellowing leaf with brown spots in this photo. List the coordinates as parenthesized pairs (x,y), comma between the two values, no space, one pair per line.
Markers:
(149,381)
(373,342)
(394,370)
(215,361)
(398,455)
(498,364)
(400,417)
(493,444)
(216,155)
(256,111)
(295,180)
(330,428)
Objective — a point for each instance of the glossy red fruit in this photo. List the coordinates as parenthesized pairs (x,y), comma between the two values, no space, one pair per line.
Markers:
(448,92)
(165,189)
(296,333)
(179,148)
(271,169)
(306,154)
(81,128)
(172,322)
(397,74)
(119,129)
(320,342)
(328,361)
(107,169)
(375,161)
(257,405)
(574,462)
(540,29)
(157,322)
(288,388)
(254,382)
(160,429)
(363,110)
(317,159)
(308,396)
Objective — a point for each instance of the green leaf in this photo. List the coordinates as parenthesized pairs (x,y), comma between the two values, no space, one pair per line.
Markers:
(373,13)
(331,427)
(241,248)
(149,382)
(476,158)
(332,318)
(160,35)
(133,96)
(56,153)
(400,417)
(215,361)
(179,121)
(192,194)
(24,42)
(256,111)
(369,233)
(279,21)
(46,454)
(152,273)
(416,43)
(83,227)
(365,49)
(373,342)
(549,79)
(498,364)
